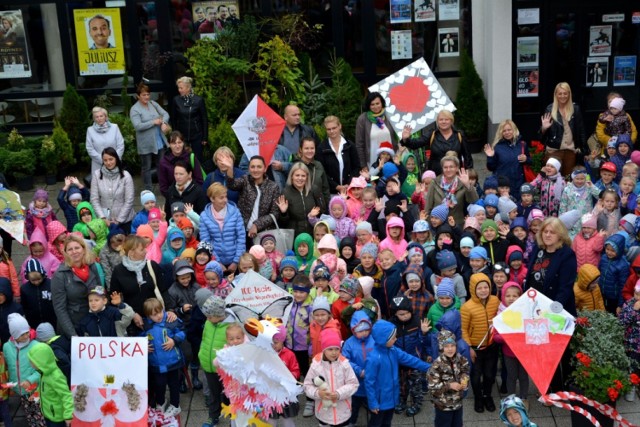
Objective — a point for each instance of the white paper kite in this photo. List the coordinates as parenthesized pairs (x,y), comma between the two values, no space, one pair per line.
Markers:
(257,297)
(413,96)
(259,129)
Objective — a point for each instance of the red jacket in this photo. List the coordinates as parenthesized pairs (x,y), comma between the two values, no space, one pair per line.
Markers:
(314,332)
(627,289)
(290,361)
(336,311)
(199,270)
(588,251)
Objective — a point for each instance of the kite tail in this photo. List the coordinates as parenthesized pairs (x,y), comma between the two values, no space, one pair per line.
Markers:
(557,399)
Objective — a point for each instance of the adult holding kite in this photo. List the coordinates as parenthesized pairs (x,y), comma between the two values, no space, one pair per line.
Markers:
(373,128)
(338,156)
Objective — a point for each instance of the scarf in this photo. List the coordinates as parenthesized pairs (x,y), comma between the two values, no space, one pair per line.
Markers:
(39,213)
(136,267)
(103,128)
(219,215)
(450,191)
(188,99)
(557,183)
(110,174)
(81,272)
(376,119)
(580,191)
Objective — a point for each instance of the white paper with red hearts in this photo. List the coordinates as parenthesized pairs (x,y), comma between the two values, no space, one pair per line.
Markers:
(413,96)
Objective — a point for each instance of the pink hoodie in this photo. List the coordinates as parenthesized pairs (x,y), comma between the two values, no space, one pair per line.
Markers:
(496,336)
(354,206)
(398,248)
(154,250)
(49,262)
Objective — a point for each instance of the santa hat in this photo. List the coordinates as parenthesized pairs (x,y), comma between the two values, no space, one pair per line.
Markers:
(386,147)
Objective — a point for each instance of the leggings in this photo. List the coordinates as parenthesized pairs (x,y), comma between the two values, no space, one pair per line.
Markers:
(516,373)
(483,374)
(172,379)
(302,356)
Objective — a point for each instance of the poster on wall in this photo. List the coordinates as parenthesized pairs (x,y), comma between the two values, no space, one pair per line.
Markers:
(597,72)
(624,70)
(99,41)
(600,37)
(109,381)
(400,11)
(212,16)
(528,16)
(527,84)
(401,44)
(448,10)
(14,55)
(424,10)
(449,42)
(528,51)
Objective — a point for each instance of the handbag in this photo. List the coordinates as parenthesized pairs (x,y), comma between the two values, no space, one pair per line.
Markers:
(283,236)
(156,291)
(529,174)
(167,125)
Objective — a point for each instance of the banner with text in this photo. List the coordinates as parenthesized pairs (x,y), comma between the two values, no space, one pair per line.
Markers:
(99,41)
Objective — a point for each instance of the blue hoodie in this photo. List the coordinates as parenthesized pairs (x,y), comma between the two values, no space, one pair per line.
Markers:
(164,360)
(615,271)
(450,321)
(356,349)
(513,402)
(381,377)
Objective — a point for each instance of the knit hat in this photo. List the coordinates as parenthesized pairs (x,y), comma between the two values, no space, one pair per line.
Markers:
(472,222)
(466,242)
(349,285)
(177,207)
(18,325)
(114,230)
(391,208)
(533,215)
(589,221)
(515,255)
(321,272)
(147,196)
(74,193)
(428,174)
(145,230)
(503,181)
(215,267)
(206,247)
(41,194)
(490,182)
(570,218)
(554,162)
(281,335)
(446,288)
(401,303)
(489,223)
(155,213)
(183,267)
(625,138)
(518,221)
(420,226)
(441,212)
(321,303)
(501,266)
(527,188)
(635,157)
(175,234)
(446,260)
(189,253)
(386,147)
(473,209)
(628,222)
(491,200)
(445,337)
(33,265)
(45,331)
(370,249)
(506,205)
(608,166)
(364,226)
(329,338)
(617,103)
(289,261)
(414,250)
(366,283)
(201,296)
(358,182)
(213,306)
(184,223)
(258,252)
(479,252)
(267,237)
(389,169)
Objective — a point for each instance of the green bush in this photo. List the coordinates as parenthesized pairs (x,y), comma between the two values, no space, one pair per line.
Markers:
(344,96)
(49,157)
(66,157)
(20,163)
(472,110)
(75,118)
(15,141)
(222,135)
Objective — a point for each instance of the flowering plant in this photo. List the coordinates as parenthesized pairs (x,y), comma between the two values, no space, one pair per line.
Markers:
(536,151)
(602,366)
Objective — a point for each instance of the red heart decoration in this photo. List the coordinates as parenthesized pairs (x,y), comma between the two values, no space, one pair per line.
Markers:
(410,96)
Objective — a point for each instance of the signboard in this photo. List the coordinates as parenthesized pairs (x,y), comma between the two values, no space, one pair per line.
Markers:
(256,297)
(614,17)
(99,41)
(597,71)
(109,381)
(624,70)
(212,16)
(424,10)
(14,54)
(527,84)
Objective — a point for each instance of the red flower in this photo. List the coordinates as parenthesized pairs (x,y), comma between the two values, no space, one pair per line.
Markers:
(585,374)
(617,384)
(612,393)
(109,408)
(584,359)
(583,321)
(635,379)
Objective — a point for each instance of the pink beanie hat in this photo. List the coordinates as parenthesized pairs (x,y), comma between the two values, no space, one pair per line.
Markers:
(428,174)
(258,252)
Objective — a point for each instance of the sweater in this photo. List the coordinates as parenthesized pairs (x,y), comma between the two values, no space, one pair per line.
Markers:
(143,117)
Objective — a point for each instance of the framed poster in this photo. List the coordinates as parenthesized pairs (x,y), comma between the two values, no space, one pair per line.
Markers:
(99,41)
(401,44)
(14,53)
(600,40)
(528,51)
(424,10)
(527,82)
(400,11)
(597,72)
(528,16)
(448,10)
(624,70)
(449,42)
(212,16)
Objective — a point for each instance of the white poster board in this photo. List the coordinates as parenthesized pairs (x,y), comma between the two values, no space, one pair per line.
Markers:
(109,381)
(257,297)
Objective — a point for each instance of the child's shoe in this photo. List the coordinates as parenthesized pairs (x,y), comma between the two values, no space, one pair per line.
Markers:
(210,423)
(172,411)
(412,411)
(401,408)
(308,409)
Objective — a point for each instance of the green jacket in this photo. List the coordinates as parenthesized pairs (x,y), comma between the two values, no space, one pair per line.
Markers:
(436,311)
(18,359)
(307,260)
(97,226)
(56,400)
(413,178)
(214,338)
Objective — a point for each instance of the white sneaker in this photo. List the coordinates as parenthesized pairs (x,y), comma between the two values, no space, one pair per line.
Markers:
(172,411)
(161,408)
(308,409)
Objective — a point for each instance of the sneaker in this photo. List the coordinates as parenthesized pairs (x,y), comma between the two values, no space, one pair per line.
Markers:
(400,408)
(308,409)
(210,423)
(412,411)
(172,411)
(488,403)
(630,396)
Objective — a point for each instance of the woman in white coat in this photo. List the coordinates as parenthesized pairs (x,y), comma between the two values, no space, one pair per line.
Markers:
(100,135)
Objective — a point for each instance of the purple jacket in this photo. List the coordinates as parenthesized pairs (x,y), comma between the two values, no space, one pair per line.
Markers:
(165,170)
(298,327)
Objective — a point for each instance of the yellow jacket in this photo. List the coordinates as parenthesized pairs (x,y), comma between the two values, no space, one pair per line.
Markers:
(477,316)
(603,138)
(585,299)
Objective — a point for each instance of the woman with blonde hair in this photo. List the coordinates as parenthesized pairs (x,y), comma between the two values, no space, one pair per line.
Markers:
(100,135)
(339,156)
(189,116)
(562,128)
(220,173)
(507,155)
(298,199)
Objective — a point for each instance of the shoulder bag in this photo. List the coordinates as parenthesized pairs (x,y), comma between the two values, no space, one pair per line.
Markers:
(156,290)
(284,237)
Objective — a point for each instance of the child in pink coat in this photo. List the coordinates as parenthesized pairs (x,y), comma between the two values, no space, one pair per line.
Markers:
(395,238)
(39,214)
(589,243)
(154,247)
(39,249)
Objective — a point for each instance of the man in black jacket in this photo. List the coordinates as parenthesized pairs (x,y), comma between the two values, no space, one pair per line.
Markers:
(294,131)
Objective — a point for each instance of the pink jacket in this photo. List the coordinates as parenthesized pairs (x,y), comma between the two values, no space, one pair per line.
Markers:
(588,251)
(341,379)
(337,267)
(496,335)
(49,262)
(399,249)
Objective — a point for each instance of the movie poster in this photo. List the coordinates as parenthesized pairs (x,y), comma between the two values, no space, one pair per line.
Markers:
(400,11)
(424,10)
(14,55)
(99,41)
(449,41)
(528,51)
(448,10)
(401,44)
(624,70)
(210,17)
(597,72)
(527,84)
(600,37)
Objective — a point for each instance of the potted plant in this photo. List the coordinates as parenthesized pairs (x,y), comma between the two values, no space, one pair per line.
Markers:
(64,150)
(21,165)
(472,109)
(601,364)
(49,158)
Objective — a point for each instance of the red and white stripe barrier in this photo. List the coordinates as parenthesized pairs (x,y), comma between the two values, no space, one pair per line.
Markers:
(558,399)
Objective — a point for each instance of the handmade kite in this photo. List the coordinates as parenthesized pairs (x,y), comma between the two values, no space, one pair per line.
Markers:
(257,297)
(259,129)
(413,96)
(11,214)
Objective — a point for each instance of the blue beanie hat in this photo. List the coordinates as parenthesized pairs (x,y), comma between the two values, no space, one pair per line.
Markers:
(446,260)
(370,249)
(147,196)
(114,230)
(321,271)
(33,265)
(467,242)
(441,212)
(479,252)
(389,169)
(289,261)
(74,193)
(446,288)
(491,182)
(491,200)
(215,267)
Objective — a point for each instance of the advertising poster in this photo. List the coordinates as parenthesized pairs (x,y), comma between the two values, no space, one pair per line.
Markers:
(400,12)
(99,41)
(528,51)
(448,10)
(212,16)
(109,381)
(527,84)
(14,55)
(597,72)
(624,70)
(401,44)
(424,10)
(449,42)
(600,40)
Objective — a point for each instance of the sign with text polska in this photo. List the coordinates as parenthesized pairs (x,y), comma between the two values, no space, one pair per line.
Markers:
(109,381)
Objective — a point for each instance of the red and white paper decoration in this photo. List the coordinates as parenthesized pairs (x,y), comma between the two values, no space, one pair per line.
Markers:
(259,129)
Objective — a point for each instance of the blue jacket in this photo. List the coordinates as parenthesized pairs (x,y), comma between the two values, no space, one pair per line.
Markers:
(614,272)
(102,324)
(505,162)
(390,287)
(381,375)
(228,242)
(169,254)
(164,360)
(357,350)
(70,213)
(452,322)
(141,218)
(217,176)
(8,307)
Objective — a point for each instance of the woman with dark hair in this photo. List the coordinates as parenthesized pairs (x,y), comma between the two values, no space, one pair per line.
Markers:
(189,116)
(372,128)
(177,151)
(112,191)
(185,190)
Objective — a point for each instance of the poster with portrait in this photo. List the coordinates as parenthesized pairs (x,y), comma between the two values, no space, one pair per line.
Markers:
(597,72)
(424,10)
(448,10)
(624,70)
(600,37)
(527,82)
(14,55)
(449,42)
(401,44)
(528,49)
(400,11)
(99,41)
(210,17)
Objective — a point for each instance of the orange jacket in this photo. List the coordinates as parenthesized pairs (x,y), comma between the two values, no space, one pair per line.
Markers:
(314,331)
(8,270)
(477,316)
(586,299)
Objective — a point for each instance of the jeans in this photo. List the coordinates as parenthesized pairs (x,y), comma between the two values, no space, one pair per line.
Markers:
(171,379)
(483,374)
(146,161)
(5,414)
(448,418)
(381,419)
